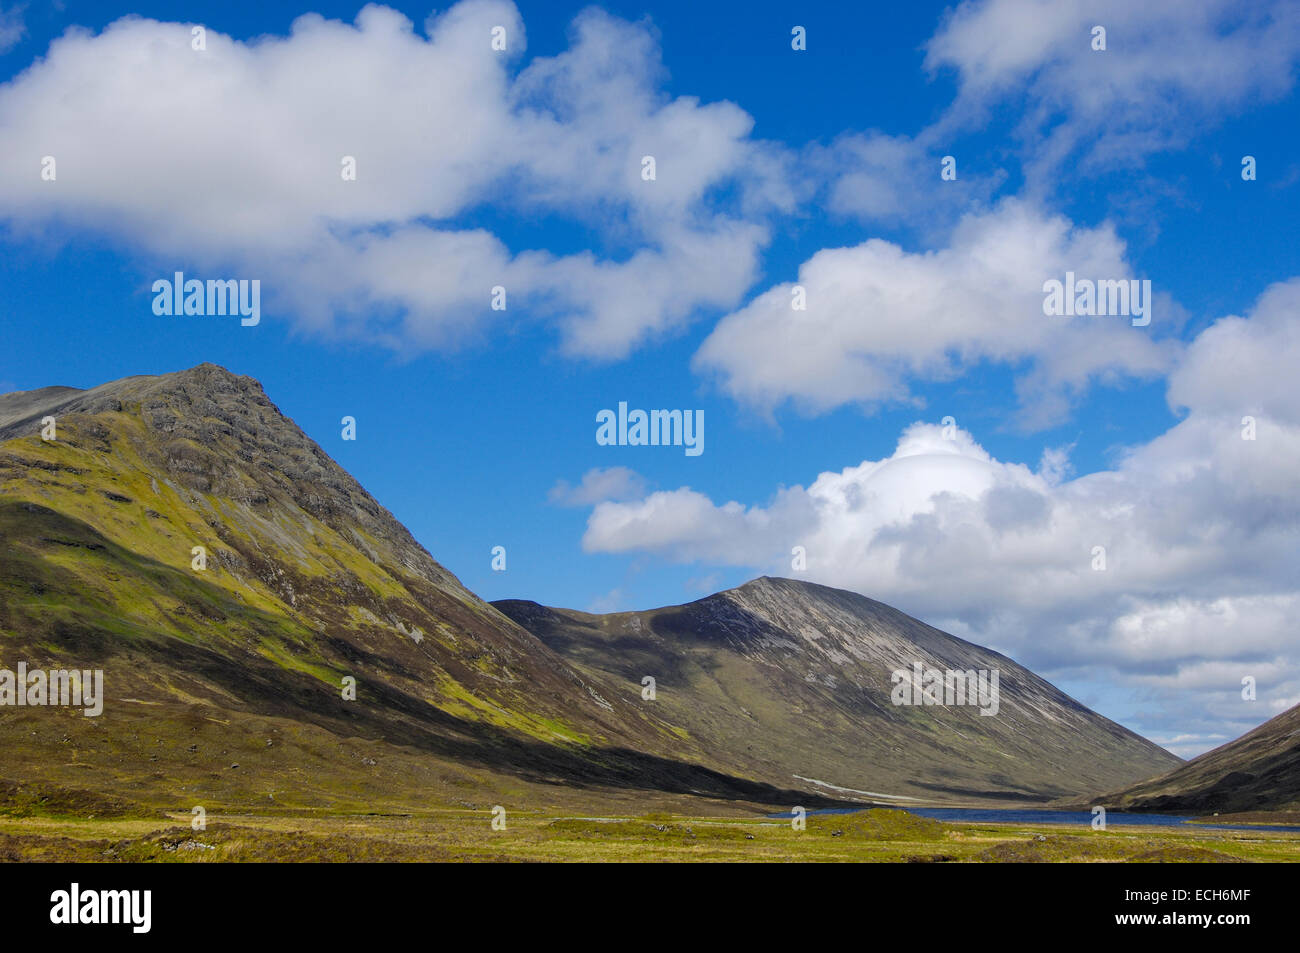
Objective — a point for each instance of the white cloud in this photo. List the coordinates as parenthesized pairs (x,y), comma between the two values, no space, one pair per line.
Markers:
(1201,531)
(11,27)
(888,179)
(878,316)
(1169,68)
(1245,366)
(612,601)
(1190,745)
(230,158)
(598,485)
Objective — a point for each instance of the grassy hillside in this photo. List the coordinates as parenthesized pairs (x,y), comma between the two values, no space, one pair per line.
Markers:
(793,680)
(1260,771)
(225,685)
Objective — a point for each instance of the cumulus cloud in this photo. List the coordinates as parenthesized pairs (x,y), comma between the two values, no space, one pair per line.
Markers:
(230,157)
(1245,365)
(1168,68)
(1179,559)
(878,316)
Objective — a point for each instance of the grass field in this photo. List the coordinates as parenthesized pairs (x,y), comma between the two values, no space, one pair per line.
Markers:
(880,835)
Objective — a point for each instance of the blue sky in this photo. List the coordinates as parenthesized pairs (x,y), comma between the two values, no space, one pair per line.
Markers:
(775,166)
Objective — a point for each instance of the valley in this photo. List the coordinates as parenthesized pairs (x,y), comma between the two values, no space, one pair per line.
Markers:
(319,679)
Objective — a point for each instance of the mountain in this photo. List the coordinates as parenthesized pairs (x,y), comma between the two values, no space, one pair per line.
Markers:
(184,537)
(793,681)
(225,685)
(1260,771)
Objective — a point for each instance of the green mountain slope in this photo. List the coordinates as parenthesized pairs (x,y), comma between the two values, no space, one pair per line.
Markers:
(225,685)
(794,681)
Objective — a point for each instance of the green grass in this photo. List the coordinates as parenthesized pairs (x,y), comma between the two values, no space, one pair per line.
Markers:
(882,836)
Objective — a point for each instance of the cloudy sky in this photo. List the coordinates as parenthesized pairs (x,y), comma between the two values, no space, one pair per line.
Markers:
(865,337)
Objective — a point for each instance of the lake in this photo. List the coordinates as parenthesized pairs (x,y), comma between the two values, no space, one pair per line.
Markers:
(1077,818)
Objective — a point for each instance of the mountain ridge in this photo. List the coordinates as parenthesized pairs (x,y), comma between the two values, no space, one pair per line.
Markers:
(788,647)
(309,580)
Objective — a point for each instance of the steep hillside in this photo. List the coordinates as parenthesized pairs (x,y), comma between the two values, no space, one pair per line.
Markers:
(1260,771)
(794,681)
(225,673)
(225,684)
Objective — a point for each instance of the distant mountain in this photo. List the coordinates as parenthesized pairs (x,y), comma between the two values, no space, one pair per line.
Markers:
(1260,771)
(793,682)
(225,685)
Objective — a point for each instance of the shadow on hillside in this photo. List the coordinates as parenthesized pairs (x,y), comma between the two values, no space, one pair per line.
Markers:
(263,688)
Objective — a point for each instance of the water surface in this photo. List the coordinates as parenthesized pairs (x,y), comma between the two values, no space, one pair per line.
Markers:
(972,815)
